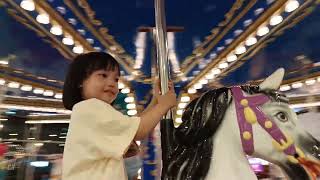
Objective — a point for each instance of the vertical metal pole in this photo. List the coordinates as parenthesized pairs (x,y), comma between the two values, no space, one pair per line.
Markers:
(166,125)
(161,45)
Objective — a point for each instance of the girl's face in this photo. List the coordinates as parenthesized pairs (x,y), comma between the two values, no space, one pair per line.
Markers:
(101,84)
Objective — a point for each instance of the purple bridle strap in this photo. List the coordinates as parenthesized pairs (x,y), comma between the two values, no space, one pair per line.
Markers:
(252,104)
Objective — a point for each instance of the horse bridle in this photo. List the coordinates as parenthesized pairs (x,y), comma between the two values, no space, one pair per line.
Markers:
(249,113)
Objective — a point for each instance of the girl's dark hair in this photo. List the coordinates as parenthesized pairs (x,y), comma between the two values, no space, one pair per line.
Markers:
(80,69)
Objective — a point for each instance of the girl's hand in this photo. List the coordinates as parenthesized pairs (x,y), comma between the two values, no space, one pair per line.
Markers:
(157,90)
(169,99)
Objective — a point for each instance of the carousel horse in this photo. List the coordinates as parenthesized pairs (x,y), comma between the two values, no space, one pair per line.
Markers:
(223,126)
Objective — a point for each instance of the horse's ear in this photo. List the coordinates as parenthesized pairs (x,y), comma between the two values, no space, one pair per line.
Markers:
(273,82)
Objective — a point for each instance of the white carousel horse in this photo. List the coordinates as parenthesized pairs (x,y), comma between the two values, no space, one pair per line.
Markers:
(223,125)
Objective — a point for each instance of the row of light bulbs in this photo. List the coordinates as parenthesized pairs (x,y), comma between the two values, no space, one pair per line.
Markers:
(55,29)
(183,102)
(130,100)
(34,108)
(274,20)
(131,105)
(38,91)
(299,84)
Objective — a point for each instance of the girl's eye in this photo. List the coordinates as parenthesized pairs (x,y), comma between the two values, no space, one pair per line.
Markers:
(103,75)
(282,116)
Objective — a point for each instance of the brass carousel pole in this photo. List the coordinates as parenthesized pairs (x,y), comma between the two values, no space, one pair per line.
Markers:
(166,125)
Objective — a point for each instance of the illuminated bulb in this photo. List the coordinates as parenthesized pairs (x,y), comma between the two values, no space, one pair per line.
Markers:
(185,99)
(97,48)
(296,85)
(56,30)
(129,99)
(182,105)
(178,120)
(231,58)
(198,86)
(180,112)
(120,85)
(223,65)
(26,88)
(285,88)
(13,85)
(48,93)
(192,91)
(4,62)
(263,31)
(2,82)
(125,90)
(204,81)
(38,144)
(132,112)
(58,96)
(28,5)
(216,71)
(68,40)
(43,18)
(275,20)
(291,5)
(131,106)
(38,91)
(310,82)
(210,76)
(251,41)
(240,50)
(78,49)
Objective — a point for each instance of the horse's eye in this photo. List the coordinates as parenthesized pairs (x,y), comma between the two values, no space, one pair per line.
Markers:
(282,116)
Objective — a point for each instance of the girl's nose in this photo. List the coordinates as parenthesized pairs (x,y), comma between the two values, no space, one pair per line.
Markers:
(112,84)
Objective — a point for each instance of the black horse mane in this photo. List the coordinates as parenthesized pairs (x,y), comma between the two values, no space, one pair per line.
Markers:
(192,152)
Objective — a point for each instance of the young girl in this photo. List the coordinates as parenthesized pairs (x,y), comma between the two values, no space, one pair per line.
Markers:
(98,135)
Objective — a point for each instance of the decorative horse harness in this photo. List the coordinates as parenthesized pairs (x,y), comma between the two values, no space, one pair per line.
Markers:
(249,113)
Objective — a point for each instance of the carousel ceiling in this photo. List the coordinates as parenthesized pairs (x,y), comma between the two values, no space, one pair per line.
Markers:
(211,44)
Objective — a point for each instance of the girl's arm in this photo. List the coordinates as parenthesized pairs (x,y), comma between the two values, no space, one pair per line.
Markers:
(155,95)
(151,118)
(152,103)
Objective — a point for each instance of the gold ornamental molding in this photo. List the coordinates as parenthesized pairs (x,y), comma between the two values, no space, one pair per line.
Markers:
(304,99)
(290,21)
(24,18)
(21,72)
(33,102)
(51,117)
(66,26)
(294,18)
(8,75)
(101,33)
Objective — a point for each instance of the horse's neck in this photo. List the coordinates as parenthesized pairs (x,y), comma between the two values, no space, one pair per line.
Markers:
(228,160)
